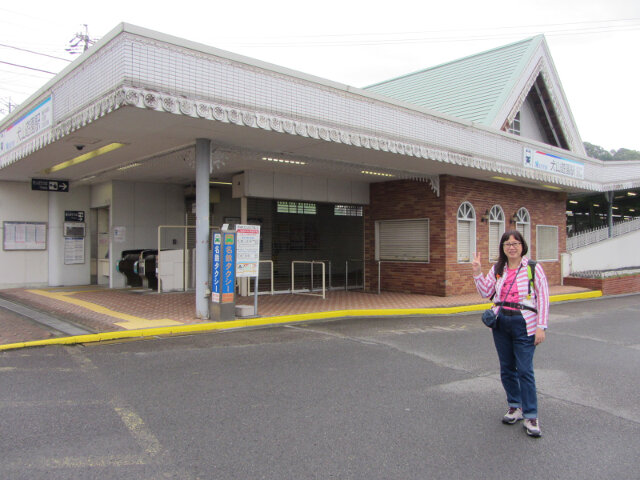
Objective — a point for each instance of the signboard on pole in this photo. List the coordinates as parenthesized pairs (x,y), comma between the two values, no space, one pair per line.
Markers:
(248,250)
(216,268)
(228,262)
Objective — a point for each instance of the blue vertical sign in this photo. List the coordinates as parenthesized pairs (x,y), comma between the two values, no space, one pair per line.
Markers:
(228,267)
(216,268)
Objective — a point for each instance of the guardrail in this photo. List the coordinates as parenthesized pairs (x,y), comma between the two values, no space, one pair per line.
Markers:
(313,262)
(597,235)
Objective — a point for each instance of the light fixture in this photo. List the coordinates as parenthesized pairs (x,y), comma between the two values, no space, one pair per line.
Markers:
(575,202)
(84,157)
(215,182)
(131,165)
(514,218)
(379,174)
(504,179)
(632,194)
(552,187)
(485,217)
(281,160)
(596,204)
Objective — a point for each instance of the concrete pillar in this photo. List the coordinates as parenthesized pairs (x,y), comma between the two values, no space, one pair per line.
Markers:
(55,239)
(244,282)
(203,157)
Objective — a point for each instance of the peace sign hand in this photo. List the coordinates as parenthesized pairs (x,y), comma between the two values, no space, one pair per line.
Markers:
(476,264)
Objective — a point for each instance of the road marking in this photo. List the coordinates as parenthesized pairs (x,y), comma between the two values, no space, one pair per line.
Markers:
(74,462)
(131,322)
(134,423)
(147,441)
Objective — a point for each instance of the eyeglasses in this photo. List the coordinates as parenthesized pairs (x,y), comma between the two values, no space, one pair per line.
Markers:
(509,245)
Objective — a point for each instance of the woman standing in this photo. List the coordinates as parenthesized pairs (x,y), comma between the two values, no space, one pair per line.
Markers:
(522,305)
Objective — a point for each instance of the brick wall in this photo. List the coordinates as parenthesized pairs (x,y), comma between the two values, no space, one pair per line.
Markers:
(406,199)
(545,208)
(444,276)
(609,286)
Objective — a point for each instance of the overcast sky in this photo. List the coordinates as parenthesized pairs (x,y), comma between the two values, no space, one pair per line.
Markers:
(594,43)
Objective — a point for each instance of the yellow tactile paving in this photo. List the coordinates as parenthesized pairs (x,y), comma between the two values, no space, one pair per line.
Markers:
(131,322)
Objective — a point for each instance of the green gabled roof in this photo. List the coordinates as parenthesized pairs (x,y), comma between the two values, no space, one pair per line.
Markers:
(473,88)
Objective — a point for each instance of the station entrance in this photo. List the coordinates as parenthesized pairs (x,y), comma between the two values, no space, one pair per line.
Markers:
(297,237)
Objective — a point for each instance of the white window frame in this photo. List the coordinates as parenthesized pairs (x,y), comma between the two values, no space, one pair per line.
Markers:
(523,219)
(514,127)
(405,240)
(540,245)
(467,216)
(496,217)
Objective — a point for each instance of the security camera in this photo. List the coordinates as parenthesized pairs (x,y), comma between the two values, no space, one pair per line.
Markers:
(79,147)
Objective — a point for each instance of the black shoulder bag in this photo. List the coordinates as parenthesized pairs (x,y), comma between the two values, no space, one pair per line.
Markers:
(489,318)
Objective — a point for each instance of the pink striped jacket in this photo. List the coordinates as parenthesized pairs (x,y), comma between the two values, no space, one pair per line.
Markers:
(540,296)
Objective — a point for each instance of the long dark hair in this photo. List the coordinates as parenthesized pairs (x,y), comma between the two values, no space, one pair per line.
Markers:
(502,260)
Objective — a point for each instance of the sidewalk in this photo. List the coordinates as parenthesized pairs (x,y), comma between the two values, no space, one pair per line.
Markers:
(137,312)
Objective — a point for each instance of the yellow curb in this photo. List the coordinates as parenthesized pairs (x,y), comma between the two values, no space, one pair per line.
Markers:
(257,322)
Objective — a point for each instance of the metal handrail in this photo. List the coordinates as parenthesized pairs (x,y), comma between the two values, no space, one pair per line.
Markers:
(596,235)
(312,262)
(346,272)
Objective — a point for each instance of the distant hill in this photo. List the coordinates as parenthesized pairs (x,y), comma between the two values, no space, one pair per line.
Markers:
(596,151)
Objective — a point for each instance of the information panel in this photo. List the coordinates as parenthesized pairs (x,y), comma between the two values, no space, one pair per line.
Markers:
(24,235)
(248,250)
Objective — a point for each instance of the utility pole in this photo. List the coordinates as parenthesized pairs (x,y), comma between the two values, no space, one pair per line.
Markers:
(80,42)
(6,105)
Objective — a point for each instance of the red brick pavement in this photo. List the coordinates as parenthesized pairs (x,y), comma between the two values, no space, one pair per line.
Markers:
(180,306)
(15,329)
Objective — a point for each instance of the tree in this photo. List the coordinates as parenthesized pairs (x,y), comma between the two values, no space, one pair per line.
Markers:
(626,154)
(596,151)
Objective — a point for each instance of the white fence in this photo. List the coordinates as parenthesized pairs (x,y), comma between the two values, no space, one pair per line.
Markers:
(599,234)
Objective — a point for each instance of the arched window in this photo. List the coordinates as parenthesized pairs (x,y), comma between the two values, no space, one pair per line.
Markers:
(523,225)
(466,232)
(496,229)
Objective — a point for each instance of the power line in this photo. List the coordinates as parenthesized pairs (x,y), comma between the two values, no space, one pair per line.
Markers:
(28,68)
(35,53)
(435,36)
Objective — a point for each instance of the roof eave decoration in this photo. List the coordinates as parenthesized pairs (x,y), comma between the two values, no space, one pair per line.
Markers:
(130,97)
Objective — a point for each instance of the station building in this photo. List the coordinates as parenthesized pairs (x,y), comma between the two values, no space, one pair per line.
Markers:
(392,187)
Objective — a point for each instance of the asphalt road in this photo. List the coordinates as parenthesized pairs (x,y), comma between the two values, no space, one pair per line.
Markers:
(382,398)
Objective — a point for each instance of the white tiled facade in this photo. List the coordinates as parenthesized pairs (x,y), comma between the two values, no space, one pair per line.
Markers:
(133,69)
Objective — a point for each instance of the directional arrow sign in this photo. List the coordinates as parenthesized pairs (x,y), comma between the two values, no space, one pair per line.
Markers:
(46,185)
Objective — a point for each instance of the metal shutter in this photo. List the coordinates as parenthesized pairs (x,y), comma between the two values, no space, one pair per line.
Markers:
(464,241)
(406,240)
(547,242)
(494,241)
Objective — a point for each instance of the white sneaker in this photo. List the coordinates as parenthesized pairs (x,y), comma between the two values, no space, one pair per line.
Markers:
(512,416)
(532,426)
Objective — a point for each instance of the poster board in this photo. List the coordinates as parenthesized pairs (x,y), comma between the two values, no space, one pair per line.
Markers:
(24,236)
